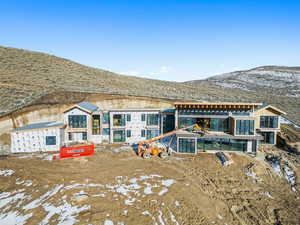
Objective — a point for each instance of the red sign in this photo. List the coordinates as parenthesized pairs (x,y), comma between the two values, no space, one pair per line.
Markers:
(76,151)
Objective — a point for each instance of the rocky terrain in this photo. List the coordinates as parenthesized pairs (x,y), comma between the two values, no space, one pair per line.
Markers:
(276,80)
(115,186)
(30,78)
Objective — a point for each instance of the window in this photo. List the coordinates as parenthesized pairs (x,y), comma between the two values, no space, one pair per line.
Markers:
(70,136)
(152,133)
(152,119)
(128,117)
(220,125)
(268,138)
(119,136)
(105,131)
(50,140)
(96,125)
(77,121)
(143,117)
(84,136)
(186,122)
(238,145)
(106,118)
(128,133)
(222,144)
(186,145)
(269,121)
(245,127)
(143,133)
(119,120)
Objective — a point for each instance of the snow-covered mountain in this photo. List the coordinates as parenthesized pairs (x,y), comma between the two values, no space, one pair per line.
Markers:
(277,80)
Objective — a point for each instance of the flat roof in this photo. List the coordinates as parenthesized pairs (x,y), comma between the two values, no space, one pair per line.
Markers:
(40,126)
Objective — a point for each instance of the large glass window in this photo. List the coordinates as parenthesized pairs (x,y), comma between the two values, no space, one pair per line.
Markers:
(77,121)
(106,118)
(96,125)
(186,122)
(223,144)
(269,121)
(268,138)
(245,127)
(186,145)
(219,124)
(238,145)
(128,133)
(152,133)
(152,119)
(119,120)
(119,135)
(50,140)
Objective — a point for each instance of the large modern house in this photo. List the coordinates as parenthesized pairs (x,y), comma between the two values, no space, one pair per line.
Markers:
(228,127)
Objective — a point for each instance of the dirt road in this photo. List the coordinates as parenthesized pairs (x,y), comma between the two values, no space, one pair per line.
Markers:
(121,188)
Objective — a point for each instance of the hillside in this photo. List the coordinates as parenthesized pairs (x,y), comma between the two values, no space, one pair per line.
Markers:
(276,80)
(27,78)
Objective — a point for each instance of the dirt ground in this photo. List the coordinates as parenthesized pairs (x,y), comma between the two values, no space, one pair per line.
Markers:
(121,188)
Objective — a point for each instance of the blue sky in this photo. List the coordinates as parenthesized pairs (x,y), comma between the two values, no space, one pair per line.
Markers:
(169,40)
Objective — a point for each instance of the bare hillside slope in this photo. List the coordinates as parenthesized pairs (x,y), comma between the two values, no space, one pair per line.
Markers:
(26,77)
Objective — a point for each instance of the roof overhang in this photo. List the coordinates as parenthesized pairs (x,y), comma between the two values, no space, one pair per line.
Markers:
(77,106)
(280,112)
(216,105)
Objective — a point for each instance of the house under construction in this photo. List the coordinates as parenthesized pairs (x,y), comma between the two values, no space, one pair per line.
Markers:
(227,127)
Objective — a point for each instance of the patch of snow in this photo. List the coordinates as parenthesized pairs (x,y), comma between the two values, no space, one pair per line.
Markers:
(146,213)
(268,194)
(125,212)
(6,172)
(168,183)
(82,185)
(177,203)
(129,201)
(160,218)
(173,218)
(252,174)
(99,195)
(11,199)
(108,222)
(66,213)
(163,191)
(12,218)
(39,201)
(148,190)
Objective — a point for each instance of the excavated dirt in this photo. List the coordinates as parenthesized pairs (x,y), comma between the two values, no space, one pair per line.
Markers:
(117,187)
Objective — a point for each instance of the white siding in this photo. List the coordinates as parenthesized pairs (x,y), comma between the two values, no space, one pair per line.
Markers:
(136,125)
(35,140)
(77,136)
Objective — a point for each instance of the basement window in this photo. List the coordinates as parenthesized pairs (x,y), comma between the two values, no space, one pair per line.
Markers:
(50,140)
